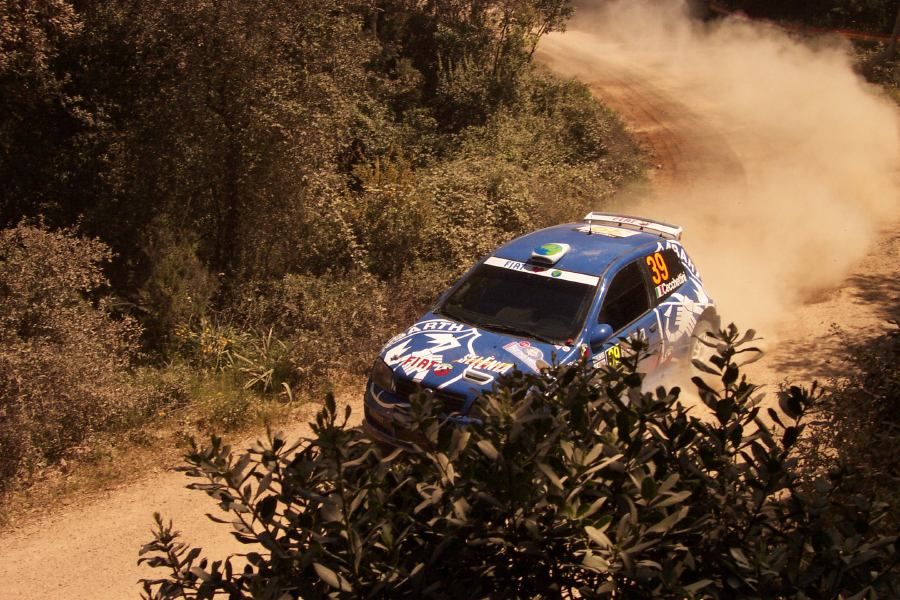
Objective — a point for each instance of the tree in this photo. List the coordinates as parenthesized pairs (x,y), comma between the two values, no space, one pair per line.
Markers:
(891,51)
(224,117)
(470,52)
(35,109)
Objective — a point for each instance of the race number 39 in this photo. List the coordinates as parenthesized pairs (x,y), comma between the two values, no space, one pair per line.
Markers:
(613,356)
(657,264)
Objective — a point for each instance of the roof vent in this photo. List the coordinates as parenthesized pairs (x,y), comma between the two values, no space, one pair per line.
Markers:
(549,254)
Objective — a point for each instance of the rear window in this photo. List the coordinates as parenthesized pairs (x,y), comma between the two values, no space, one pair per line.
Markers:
(666,273)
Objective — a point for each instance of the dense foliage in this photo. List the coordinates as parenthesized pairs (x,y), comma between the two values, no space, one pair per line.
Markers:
(216,146)
(299,136)
(257,176)
(858,422)
(64,357)
(577,484)
(866,15)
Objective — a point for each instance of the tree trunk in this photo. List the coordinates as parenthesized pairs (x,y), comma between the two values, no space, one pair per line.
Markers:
(891,51)
(506,24)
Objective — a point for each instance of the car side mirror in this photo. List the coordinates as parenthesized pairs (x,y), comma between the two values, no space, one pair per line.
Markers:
(599,334)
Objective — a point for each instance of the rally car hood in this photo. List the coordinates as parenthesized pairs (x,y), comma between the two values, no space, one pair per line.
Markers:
(440,353)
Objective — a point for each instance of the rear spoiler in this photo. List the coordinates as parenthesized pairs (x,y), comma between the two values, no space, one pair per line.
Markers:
(663,230)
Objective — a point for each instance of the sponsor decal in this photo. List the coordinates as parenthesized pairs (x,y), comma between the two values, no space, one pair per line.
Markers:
(680,311)
(657,264)
(532,356)
(550,253)
(443,369)
(608,231)
(421,348)
(549,250)
(629,220)
(614,355)
(481,363)
(433,325)
(682,255)
(664,288)
(439,335)
(416,365)
(515,265)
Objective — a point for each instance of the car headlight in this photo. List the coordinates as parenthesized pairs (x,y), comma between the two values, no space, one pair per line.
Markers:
(382,375)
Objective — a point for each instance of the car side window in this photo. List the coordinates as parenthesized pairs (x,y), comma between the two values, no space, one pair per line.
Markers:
(666,273)
(626,299)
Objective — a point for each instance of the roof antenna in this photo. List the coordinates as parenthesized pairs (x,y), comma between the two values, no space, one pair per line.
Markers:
(590,223)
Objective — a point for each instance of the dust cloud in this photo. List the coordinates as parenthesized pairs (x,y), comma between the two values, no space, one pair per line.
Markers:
(793,165)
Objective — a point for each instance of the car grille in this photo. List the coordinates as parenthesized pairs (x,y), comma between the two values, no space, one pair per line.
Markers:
(374,422)
(452,402)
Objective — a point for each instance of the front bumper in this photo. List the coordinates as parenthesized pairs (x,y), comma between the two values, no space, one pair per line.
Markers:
(383,413)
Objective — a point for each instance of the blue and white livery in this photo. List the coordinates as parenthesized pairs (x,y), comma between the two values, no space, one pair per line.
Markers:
(551,296)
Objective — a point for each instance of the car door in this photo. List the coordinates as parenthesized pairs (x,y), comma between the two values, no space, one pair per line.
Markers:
(627,308)
(666,275)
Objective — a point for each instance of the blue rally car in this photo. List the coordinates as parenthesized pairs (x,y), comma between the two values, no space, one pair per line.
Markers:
(557,294)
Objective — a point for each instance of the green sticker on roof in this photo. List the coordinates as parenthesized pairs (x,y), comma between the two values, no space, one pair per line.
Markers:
(549,249)
(549,253)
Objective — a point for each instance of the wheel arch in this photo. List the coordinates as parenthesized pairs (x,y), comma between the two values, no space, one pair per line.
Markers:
(712,316)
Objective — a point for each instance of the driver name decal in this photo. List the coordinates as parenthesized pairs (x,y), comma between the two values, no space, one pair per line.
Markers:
(664,288)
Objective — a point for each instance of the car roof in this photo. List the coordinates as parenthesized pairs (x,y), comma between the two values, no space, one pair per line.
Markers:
(589,253)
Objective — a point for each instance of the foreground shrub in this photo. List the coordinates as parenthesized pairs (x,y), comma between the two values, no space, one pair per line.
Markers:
(64,358)
(577,484)
(858,433)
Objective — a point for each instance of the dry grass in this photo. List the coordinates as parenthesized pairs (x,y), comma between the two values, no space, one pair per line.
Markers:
(112,460)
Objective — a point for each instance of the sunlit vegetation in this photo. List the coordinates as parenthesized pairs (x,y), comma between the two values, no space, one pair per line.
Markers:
(248,196)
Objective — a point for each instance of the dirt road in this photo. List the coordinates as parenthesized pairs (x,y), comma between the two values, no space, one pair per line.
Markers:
(89,550)
(793,221)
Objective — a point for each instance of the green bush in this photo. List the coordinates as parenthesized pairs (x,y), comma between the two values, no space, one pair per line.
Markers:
(545,159)
(576,484)
(64,359)
(333,322)
(479,204)
(858,429)
(178,289)
(392,219)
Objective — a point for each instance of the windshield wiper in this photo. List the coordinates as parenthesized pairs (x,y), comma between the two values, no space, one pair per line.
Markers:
(504,328)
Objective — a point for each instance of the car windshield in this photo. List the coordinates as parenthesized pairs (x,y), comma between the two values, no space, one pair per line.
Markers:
(520,303)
